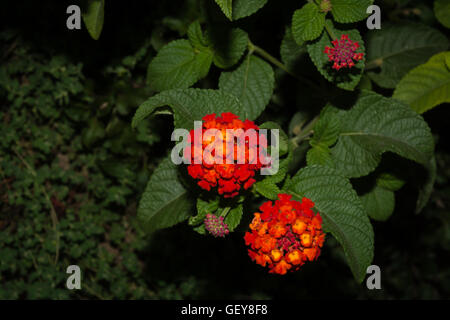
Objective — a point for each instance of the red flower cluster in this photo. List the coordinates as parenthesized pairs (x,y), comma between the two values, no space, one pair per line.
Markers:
(285,235)
(228,177)
(344,52)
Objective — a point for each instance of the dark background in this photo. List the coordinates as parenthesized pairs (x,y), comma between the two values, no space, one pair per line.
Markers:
(66,102)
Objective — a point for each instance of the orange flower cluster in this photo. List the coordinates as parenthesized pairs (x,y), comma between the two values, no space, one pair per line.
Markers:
(285,235)
(228,177)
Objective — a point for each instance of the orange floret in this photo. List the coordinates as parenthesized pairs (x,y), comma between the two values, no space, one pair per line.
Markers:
(285,234)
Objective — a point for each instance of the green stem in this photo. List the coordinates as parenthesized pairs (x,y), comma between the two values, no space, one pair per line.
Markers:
(263,53)
(306,131)
(330,32)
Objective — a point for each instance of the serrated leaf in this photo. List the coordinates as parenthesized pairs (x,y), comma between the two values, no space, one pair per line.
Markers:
(165,201)
(227,7)
(346,79)
(190,105)
(327,128)
(442,12)
(319,154)
(234,217)
(342,212)
(379,203)
(229,46)
(252,83)
(307,23)
(267,189)
(196,37)
(178,66)
(93,17)
(426,86)
(346,11)
(245,8)
(203,208)
(398,48)
(375,125)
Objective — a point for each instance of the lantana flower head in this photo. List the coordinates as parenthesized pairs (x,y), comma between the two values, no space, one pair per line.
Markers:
(285,234)
(229,177)
(216,226)
(343,52)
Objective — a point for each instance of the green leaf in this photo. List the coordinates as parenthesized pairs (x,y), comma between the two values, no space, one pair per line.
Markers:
(307,23)
(375,125)
(327,128)
(178,66)
(346,11)
(342,212)
(93,17)
(427,188)
(252,83)
(319,154)
(442,12)
(234,217)
(196,36)
(190,105)
(227,7)
(245,8)
(267,189)
(229,46)
(346,79)
(165,201)
(203,208)
(427,85)
(379,203)
(398,48)
(389,181)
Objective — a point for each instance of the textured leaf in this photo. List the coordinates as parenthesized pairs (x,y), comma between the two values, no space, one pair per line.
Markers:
(398,48)
(442,12)
(267,189)
(229,46)
(375,125)
(93,17)
(165,201)
(379,203)
(190,105)
(346,79)
(327,128)
(227,7)
(346,11)
(319,154)
(252,83)
(284,140)
(234,217)
(342,212)
(176,66)
(196,36)
(307,23)
(427,85)
(245,8)
(203,208)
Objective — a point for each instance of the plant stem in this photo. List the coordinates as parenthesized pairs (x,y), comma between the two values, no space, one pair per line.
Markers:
(306,131)
(330,32)
(263,53)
